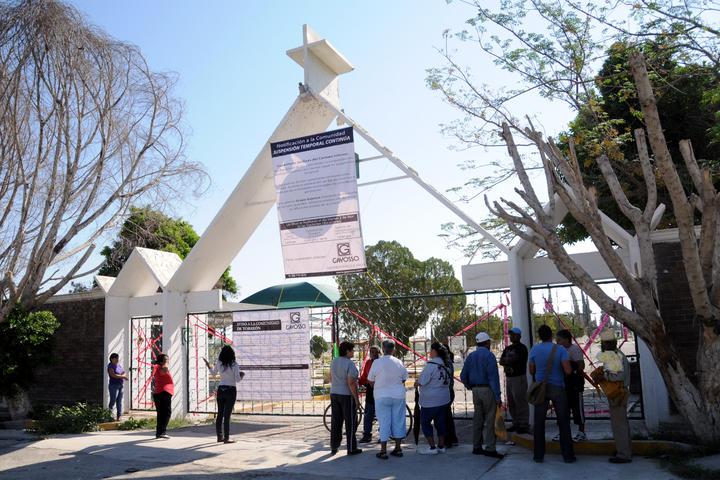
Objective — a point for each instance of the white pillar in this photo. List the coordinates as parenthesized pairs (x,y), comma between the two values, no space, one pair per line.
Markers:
(656,405)
(117,340)
(174,313)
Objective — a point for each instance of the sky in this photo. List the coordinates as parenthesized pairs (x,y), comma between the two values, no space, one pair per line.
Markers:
(237,83)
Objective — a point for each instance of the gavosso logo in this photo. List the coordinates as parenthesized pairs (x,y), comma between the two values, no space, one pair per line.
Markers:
(295,323)
(345,254)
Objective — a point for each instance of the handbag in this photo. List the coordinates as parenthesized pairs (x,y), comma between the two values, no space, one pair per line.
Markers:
(536,392)
(613,390)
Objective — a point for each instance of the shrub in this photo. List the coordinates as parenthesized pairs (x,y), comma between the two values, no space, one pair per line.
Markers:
(138,424)
(26,342)
(77,418)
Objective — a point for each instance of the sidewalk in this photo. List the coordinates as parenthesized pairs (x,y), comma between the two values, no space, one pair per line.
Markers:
(278,447)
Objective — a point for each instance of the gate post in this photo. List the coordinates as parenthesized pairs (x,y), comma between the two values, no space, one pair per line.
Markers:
(174,319)
(117,340)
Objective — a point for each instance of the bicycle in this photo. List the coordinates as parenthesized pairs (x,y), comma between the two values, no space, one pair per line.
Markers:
(409,418)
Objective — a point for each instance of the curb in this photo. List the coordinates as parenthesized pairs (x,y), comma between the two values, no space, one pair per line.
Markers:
(607,447)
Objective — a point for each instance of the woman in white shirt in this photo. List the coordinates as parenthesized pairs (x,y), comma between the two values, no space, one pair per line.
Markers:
(387,376)
(230,375)
(434,382)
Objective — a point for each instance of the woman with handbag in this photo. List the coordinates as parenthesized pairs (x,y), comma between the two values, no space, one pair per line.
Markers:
(549,362)
(230,375)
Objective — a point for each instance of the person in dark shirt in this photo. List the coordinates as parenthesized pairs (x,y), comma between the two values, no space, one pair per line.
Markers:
(514,362)
(374,354)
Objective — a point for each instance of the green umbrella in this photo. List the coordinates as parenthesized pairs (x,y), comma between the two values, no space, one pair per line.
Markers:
(291,295)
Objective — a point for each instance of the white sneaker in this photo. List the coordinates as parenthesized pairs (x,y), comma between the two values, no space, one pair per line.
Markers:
(579,437)
(556,438)
(428,451)
(440,449)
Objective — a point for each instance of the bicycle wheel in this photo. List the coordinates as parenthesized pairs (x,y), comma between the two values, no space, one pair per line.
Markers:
(327,417)
(410,419)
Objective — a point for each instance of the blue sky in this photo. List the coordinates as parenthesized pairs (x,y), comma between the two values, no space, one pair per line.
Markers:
(237,83)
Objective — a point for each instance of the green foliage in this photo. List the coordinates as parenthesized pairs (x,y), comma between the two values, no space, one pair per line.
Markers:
(576,53)
(548,318)
(76,418)
(26,342)
(605,125)
(318,346)
(149,228)
(394,271)
(456,320)
(138,424)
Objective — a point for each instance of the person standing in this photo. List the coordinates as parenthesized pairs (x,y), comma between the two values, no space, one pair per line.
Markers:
(115,383)
(616,368)
(514,361)
(543,355)
(480,374)
(344,400)
(387,376)
(373,354)
(434,383)
(162,394)
(230,376)
(574,384)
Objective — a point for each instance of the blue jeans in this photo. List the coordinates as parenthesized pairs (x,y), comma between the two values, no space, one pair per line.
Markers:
(116,396)
(368,418)
(390,414)
(430,414)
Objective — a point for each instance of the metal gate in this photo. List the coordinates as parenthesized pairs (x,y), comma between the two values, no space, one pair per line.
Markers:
(205,335)
(145,345)
(566,306)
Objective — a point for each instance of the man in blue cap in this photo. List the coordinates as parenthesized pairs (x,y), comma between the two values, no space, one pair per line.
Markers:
(514,361)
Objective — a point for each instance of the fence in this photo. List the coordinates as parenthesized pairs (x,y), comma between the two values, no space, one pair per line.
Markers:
(566,306)
(414,322)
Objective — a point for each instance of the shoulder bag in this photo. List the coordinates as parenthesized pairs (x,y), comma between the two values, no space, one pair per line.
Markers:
(536,392)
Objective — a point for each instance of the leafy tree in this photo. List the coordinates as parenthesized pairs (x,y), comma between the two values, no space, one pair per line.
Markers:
(393,270)
(549,319)
(26,341)
(552,48)
(318,346)
(456,320)
(149,228)
(605,126)
(86,130)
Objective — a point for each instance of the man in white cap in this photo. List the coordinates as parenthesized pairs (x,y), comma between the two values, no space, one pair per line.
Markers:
(514,361)
(480,374)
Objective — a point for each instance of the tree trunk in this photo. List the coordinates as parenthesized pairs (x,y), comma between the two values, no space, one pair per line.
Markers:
(696,403)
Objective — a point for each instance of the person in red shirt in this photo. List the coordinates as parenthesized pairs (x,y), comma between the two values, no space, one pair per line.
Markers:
(373,354)
(162,394)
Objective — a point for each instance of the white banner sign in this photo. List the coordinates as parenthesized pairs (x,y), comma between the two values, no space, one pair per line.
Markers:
(317,204)
(273,349)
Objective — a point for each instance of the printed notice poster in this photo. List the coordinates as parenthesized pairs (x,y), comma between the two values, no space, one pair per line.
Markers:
(317,204)
(272,347)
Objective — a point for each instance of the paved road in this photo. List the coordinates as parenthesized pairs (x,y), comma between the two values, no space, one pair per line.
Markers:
(276,447)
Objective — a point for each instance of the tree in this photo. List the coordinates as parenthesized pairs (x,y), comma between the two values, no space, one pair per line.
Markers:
(563,63)
(149,228)
(26,342)
(86,130)
(456,320)
(318,346)
(557,65)
(394,271)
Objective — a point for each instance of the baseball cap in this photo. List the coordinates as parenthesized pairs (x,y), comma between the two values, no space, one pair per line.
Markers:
(482,337)
(515,330)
